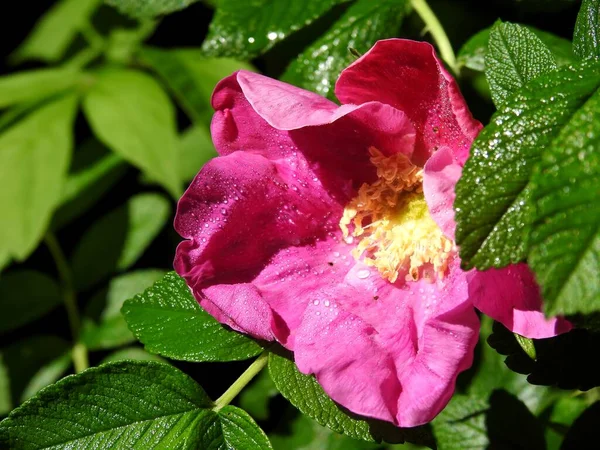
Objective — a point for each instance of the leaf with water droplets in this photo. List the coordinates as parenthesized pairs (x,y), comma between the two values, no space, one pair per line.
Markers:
(245,29)
(565,237)
(472,53)
(586,38)
(319,66)
(515,56)
(168,320)
(493,205)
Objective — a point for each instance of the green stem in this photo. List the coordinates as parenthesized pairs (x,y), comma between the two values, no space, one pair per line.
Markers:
(79,352)
(437,32)
(242,381)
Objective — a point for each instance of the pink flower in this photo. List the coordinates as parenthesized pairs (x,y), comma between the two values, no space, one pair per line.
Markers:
(330,230)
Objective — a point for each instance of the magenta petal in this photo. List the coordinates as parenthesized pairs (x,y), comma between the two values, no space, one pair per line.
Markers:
(409,76)
(440,174)
(511,296)
(385,352)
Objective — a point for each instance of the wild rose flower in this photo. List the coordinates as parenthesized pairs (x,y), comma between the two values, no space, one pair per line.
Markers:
(330,229)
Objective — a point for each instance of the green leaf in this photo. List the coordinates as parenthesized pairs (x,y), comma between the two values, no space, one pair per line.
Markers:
(55,31)
(319,66)
(93,172)
(515,56)
(308,396)
(135,353)
(565,236)
(140,9)
(112,331)
(196,149)
(240,432)
(35,85)
(118,239)
(131,114)
(461,424)
(586,38)
(191,76)
(245,29)
(168,320)
(27,361)
(133,405)
(255,398)
(493,205)
(25,296)
(564,413)
(472,53)
(585,429)
(34,158)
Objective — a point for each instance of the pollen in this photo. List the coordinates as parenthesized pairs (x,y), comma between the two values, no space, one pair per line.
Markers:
(390,218)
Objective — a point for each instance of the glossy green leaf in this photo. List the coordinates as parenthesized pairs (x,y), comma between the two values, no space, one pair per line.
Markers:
(26,295)
(118,239)
(472,53)
(308,396)
(168,320)
(196,149)
(131,114)
(240,432)
(29,364)
(515,56)
(493,206)
(55,31)
(93,172)
(191,76)
(35,85)
(564,413)
(461,424)
(586,38)
(565,236)
(365,22)
(140,9)
(133,405)
(111,330)
(244,29)
(34,158)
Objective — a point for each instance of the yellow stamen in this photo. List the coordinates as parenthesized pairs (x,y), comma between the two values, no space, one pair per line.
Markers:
(399,237)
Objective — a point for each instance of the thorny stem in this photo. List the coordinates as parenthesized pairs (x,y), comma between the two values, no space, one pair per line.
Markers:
(245,378)
(79,352)
(437,32)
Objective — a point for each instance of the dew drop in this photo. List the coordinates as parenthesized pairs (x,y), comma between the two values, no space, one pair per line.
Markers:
(363,273)
(316,302)
(326,303)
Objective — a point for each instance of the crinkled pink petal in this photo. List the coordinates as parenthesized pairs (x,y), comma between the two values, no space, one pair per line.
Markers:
(277,120)
(409,76)
(511,296)
(412,341)
(440,174)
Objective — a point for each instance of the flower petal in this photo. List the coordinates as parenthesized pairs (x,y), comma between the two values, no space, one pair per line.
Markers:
(511,296)
(440,174)
(389,352)
(277,120)
(240,210)
(409,76)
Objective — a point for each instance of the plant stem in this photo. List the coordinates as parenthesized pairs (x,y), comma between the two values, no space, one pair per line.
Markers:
(79,352)
(245,378)
(437,32)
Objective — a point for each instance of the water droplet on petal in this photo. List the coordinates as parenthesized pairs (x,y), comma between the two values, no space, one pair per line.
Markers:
(363,274)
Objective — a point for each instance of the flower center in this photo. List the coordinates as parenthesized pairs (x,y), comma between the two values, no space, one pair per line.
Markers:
(391,218)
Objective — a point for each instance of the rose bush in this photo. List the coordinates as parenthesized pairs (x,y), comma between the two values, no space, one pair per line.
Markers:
(330,229)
